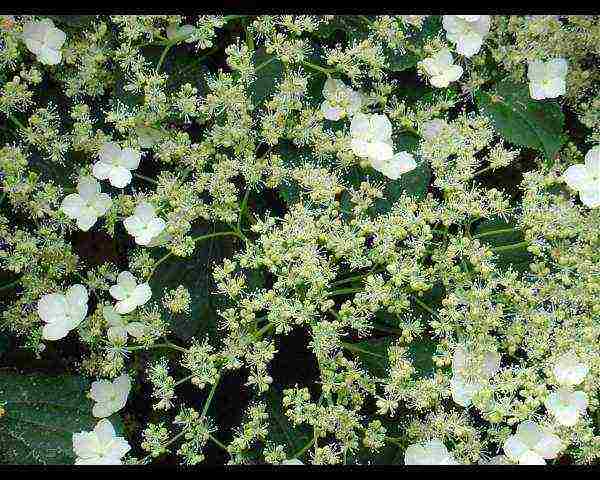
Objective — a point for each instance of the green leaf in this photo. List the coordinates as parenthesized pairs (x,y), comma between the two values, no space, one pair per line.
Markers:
(282,431)
(519,259)
(522,120)
(373,355)
(194,273)
(269,71)
(41,415)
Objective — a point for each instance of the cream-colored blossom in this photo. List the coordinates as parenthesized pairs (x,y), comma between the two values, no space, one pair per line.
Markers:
(101,446)
(62,313)
(87,204)
(110,397)
(532,445)
(44,40)
(129,294)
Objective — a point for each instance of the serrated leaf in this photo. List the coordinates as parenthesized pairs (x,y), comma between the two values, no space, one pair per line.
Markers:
(41,415)
(194,273)
(269,71)
(522,120)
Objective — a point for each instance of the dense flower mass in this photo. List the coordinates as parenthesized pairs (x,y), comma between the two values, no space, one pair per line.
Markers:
(300,239)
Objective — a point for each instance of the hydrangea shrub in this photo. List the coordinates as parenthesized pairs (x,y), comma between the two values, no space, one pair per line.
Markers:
(300,239)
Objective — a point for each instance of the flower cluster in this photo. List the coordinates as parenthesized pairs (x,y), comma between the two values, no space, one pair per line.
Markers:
(303,239)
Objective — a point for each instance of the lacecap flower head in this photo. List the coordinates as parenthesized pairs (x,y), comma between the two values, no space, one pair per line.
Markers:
(569,370)
(62,313)
(470,374)
(372,139)
(101,446)
(87,204)
(44,40)
(340,100)
(567,405)
(118,328)
(115,164)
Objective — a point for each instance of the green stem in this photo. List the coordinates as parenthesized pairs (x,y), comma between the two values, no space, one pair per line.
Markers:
(318,68)
(157,345)
(354,348)
(163,55)
(423,305)
(143,177)
(217,442)
(304,448)
(16,122)
(264,64)
(243,208)
(211,394)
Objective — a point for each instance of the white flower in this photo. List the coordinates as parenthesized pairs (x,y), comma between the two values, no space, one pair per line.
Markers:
(372,139)
(433,452)
(531,445)
(180,33)
(129,294)
(393,168)
(62,313)
(470,374)
(547,80)
(586,178)
(340,100)
(466,35)
(110,397)
(118,328)
(568,370)
(441,69)
(292,461)
(116,164)
(144,225)
(469,18)
(101,446)
(566,405)
(44,40)
(86,205)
